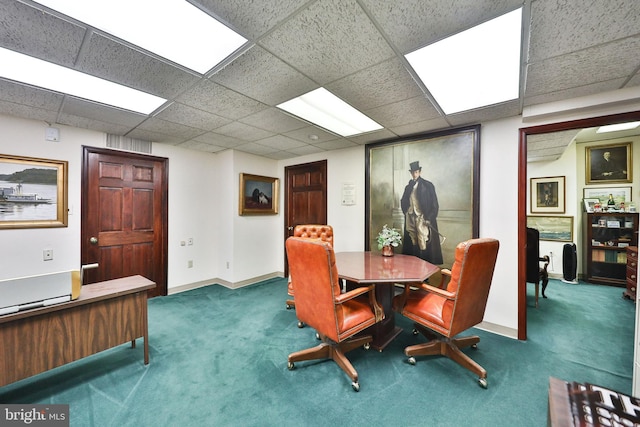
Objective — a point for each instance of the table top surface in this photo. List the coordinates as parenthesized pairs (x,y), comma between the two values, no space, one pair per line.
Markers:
(372,267)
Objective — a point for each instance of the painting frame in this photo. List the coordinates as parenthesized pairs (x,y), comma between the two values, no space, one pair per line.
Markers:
(553,228)
(602,194)
(450,159)
(621,161)
(256,191)
(547,194)
(589,203)
(24,209)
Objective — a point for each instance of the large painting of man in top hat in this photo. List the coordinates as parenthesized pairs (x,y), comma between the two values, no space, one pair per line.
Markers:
(426,187)
(419,205)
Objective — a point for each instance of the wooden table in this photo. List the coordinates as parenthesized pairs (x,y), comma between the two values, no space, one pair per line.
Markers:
(367,268)
(106,314)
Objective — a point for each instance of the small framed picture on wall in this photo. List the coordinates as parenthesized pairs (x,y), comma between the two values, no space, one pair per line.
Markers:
(548,194)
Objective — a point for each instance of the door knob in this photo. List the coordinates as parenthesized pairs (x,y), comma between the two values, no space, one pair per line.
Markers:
(93,240)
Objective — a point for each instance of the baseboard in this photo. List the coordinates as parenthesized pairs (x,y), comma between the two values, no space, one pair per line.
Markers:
(498,329)
(225,283)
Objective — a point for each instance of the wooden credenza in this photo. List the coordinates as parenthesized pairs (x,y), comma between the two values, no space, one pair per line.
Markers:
(106,314)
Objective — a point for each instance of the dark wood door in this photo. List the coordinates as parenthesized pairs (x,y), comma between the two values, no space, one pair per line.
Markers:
(124,216)
(305,197)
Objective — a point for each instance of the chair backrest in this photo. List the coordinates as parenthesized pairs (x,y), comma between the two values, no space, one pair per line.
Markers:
(314,275)
(471,276)
(314,231)
(533,255)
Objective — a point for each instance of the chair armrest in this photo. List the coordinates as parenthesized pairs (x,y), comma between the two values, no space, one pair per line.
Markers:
(445,274)
(377,308)
(438,291)
(354,293)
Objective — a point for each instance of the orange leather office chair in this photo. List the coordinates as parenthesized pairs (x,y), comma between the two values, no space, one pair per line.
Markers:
(442,313)
(309,231)
(336,316)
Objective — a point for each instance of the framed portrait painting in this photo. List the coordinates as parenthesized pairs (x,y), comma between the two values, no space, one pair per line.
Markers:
(33,192)
(608,163)
(427,187)
(547,195)
(258,195)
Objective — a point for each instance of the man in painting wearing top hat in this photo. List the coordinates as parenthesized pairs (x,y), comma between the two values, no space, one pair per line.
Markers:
(420,207)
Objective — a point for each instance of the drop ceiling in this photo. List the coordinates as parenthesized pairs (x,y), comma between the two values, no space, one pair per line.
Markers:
(354,48)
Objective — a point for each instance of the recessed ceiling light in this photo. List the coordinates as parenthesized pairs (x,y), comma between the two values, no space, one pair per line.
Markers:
(617,127)
(35,72)
(326,110)
(474,68)
(173,29)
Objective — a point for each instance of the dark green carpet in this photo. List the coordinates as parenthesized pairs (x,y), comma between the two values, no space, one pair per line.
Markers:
(219,358)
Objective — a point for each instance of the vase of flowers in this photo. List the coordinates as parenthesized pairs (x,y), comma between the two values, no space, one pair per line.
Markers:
(388,239)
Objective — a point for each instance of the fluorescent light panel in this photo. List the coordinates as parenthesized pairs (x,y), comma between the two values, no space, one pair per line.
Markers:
(26,69)
(617,127)
(474,68)
(326,110)
(173,29)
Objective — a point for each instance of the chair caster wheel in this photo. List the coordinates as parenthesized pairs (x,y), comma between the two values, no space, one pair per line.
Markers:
(318,336)
(483,382)
(474,346)
(415,332)
(412,360)
(291,366)
(356,386)
(367,346)
(289,307)
(300,325)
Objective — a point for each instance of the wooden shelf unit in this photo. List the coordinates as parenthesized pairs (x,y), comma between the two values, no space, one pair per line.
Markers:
(607,236)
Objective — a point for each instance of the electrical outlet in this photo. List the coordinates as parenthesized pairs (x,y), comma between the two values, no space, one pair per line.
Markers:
(47,254)
(190,241)
(190,264)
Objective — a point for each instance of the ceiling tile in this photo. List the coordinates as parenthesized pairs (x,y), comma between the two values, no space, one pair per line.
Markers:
(256,149)
(328,40)
(93,124)
(100,112)
(421,127)
(311,135)
(253,18)
(273,120)
(411,24)
(29,95)
(114,61)
(381,84)
(244,132)
(597,64)
(336,144)
(479,115)
(401,113)
(178,131)
(571,29)
(247,75)
(189,116)
(574,92)
(148,135)
(29,30)
(27,112)
(366,138)
(280,142)
(219,140)
(305,150)
(216,99)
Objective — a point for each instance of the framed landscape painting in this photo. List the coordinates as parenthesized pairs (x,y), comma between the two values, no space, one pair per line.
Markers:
(552,228)
(33,192)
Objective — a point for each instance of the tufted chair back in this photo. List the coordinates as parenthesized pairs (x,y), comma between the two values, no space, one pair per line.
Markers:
(314,231)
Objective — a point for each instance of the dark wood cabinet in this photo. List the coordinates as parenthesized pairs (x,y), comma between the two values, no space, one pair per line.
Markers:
(632,273)
(607,237)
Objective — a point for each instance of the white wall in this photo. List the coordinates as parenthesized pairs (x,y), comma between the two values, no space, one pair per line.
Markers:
(203,204)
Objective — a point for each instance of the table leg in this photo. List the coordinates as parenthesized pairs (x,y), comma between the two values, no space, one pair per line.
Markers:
(386,330)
